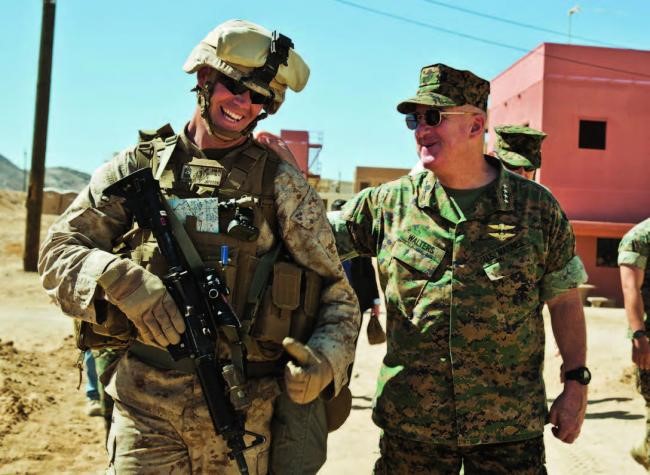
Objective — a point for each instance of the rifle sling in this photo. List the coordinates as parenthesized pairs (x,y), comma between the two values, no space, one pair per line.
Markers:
(194,261)
(258,284)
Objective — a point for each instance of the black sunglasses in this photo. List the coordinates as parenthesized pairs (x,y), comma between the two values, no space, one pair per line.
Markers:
(237,88)
(514,168)
(432,117)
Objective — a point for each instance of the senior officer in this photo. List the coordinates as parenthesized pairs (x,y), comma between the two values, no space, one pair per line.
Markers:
(161,422)
(468,255)
(519,148)
(633,255)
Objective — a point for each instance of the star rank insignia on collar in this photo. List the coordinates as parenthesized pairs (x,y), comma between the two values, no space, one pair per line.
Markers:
(501,233)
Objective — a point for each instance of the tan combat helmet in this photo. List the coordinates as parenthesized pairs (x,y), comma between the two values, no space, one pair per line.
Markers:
(261,60)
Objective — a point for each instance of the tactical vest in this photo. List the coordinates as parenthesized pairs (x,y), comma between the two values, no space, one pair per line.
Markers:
(272,296)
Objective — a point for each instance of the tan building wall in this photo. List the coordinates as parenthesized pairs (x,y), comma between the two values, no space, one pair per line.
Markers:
(330,190)
(56,201)
(365,177)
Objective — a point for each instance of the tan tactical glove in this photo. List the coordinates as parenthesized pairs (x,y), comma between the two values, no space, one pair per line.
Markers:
(310,376)
(143,298)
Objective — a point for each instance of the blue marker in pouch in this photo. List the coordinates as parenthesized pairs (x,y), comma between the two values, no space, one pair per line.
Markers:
(225,259)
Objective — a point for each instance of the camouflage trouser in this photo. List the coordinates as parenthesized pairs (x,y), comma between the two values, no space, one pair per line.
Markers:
(103,359)
(643,385)
(161,423)
(403,456)
(299,443)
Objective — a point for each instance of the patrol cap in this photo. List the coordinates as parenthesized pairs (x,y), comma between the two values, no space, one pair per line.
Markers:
(519,146)
(237,48)
(443,86)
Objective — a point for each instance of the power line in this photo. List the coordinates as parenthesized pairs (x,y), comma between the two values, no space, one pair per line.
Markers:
(484,40)
(515,23)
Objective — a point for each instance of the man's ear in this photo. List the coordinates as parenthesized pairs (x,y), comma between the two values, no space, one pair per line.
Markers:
(202,76)
(478,125)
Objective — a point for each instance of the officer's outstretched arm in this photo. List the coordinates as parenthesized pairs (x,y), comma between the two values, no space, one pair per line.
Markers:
(568,321)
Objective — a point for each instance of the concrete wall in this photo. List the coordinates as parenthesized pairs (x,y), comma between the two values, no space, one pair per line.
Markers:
(365,177)
(56,202)
(516,95)
(604,185)
(298,142)
(606,279)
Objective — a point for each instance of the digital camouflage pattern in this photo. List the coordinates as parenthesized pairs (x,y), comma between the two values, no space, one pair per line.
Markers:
(519,146)
(78,249)
(420,458)
(443,86)
(642,452)
(634,250)
(464,299)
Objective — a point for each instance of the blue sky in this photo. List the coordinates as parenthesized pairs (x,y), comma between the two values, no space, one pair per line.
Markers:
(117,65)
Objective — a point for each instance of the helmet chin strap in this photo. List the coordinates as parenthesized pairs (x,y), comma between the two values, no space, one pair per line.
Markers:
(203,95)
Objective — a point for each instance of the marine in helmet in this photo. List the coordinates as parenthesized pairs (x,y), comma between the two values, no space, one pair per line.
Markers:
(232,193)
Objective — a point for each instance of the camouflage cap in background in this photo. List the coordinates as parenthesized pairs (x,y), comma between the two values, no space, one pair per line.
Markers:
(442,86)
(519,146)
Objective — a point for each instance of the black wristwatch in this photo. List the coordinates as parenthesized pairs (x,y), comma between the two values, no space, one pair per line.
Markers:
(582,375)
(639,334)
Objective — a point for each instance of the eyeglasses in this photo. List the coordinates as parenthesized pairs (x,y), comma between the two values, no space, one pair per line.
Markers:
(515,168)
(432,117)
(237,88)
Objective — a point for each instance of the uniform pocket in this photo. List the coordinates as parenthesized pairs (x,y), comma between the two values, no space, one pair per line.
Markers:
(410,269)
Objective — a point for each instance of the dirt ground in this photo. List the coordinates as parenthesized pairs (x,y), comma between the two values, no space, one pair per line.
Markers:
(44,429)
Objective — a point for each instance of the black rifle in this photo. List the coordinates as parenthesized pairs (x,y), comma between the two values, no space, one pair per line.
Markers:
(201,298)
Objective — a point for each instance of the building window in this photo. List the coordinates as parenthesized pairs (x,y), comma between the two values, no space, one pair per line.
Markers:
(592,134)
(607,252)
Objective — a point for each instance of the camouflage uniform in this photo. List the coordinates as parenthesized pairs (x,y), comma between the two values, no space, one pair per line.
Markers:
(464,298)
(519,146)
(634,250)
(160,420)
(104,358)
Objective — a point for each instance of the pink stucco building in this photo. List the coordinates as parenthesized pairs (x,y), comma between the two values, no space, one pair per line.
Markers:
(594,104)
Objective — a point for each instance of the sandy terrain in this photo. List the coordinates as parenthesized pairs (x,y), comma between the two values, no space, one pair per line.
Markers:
(43,428)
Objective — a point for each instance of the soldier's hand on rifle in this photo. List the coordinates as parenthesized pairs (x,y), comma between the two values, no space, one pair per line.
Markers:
(309,375)
(144,299)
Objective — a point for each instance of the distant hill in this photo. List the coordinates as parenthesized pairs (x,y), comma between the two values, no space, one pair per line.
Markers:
(64,178)
(61,178)
(11,177)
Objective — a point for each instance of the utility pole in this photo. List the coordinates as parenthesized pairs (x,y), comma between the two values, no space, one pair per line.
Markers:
(37,173)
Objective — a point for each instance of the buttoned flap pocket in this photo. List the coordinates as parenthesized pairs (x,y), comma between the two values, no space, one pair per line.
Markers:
(411,267)
(420,262)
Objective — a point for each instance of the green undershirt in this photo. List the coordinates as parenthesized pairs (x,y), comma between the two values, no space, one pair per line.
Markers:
(464,200)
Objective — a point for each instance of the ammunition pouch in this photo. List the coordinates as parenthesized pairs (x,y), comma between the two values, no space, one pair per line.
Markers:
(289,307)
(115,332)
